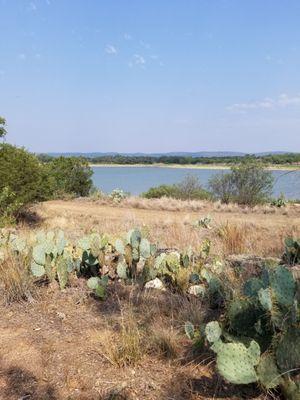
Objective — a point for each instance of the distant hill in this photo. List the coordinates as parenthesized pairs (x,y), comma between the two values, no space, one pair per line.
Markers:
(178,154)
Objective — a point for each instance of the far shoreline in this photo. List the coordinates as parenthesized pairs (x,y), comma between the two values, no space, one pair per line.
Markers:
(189,166)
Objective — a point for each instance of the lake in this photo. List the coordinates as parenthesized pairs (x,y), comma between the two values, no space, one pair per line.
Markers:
(137,180)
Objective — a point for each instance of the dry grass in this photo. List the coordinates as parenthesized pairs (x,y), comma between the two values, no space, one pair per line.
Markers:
(164,341)
(124,347)
(234,238)
(16,283)
(265,227)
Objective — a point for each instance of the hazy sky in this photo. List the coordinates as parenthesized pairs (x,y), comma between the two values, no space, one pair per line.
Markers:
(151,75)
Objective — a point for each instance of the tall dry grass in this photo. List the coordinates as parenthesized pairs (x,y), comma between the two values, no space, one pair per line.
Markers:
(16,283)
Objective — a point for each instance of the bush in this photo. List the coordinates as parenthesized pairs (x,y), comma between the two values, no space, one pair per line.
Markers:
(188,189)
(161,191)
(222,187)
(22,181)
(247,184)
(9,207)
(71,175)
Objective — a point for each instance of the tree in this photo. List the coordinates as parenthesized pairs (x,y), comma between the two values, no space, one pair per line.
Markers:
(247,184)
(22,181)
(3,131)
(222,187)
(71,175)
(253,184)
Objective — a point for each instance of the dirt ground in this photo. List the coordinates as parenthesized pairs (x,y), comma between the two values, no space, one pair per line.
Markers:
(52,350)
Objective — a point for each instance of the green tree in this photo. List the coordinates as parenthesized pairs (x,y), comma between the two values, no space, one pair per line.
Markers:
(70,175)
(3,131)
(22,181)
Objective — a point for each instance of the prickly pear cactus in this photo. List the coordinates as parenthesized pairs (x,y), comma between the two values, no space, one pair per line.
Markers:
(236,363)
(242,315)
(283,286)
(252,287)
(213,331)
(267,372)
(288,350)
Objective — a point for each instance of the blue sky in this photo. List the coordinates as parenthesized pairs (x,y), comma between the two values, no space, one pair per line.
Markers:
(151,76)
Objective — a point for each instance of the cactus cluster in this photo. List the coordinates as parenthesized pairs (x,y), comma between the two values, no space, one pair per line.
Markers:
(51,257)
(259,337)
(292,251)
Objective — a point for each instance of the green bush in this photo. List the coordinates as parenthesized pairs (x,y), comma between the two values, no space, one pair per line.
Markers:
(71,175)
(247,184)
(22,174)
(161,191)
(188,189)
(9,207)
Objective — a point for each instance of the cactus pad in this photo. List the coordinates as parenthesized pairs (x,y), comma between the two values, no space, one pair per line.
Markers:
(283,286)
(252,287)
(236,362)
(213,331)
(288,350)
(243,315)
(267,372)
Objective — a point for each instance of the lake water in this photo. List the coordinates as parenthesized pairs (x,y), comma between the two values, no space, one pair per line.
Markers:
(137,180)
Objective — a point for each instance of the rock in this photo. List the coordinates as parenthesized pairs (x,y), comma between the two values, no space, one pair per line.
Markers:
(249,265)
(155,284)
(197,290)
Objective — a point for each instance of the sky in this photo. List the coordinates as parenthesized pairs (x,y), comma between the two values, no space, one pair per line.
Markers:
(151,76)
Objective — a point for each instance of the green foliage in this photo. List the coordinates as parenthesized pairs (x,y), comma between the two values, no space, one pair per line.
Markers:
(3,131)
(70,175)
(9,206)
(188,189)
(279,202)
(22,181)
(247,184)
(277,159)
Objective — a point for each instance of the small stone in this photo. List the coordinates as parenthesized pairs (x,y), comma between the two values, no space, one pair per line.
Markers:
(155,284)
(197,290)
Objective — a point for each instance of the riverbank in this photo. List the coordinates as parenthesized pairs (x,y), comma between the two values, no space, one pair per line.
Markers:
(282,167)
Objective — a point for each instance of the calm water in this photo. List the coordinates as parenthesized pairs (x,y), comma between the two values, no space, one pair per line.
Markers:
(139,179)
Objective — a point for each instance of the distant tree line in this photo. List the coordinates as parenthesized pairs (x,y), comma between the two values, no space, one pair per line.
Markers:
(272,159)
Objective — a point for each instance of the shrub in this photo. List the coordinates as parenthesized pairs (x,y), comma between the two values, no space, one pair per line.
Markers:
(117,195)
(279,202)
(222,187)
(70,175)
(22,181)
(247,184)
(161,191)
(188,189)
(9,206)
